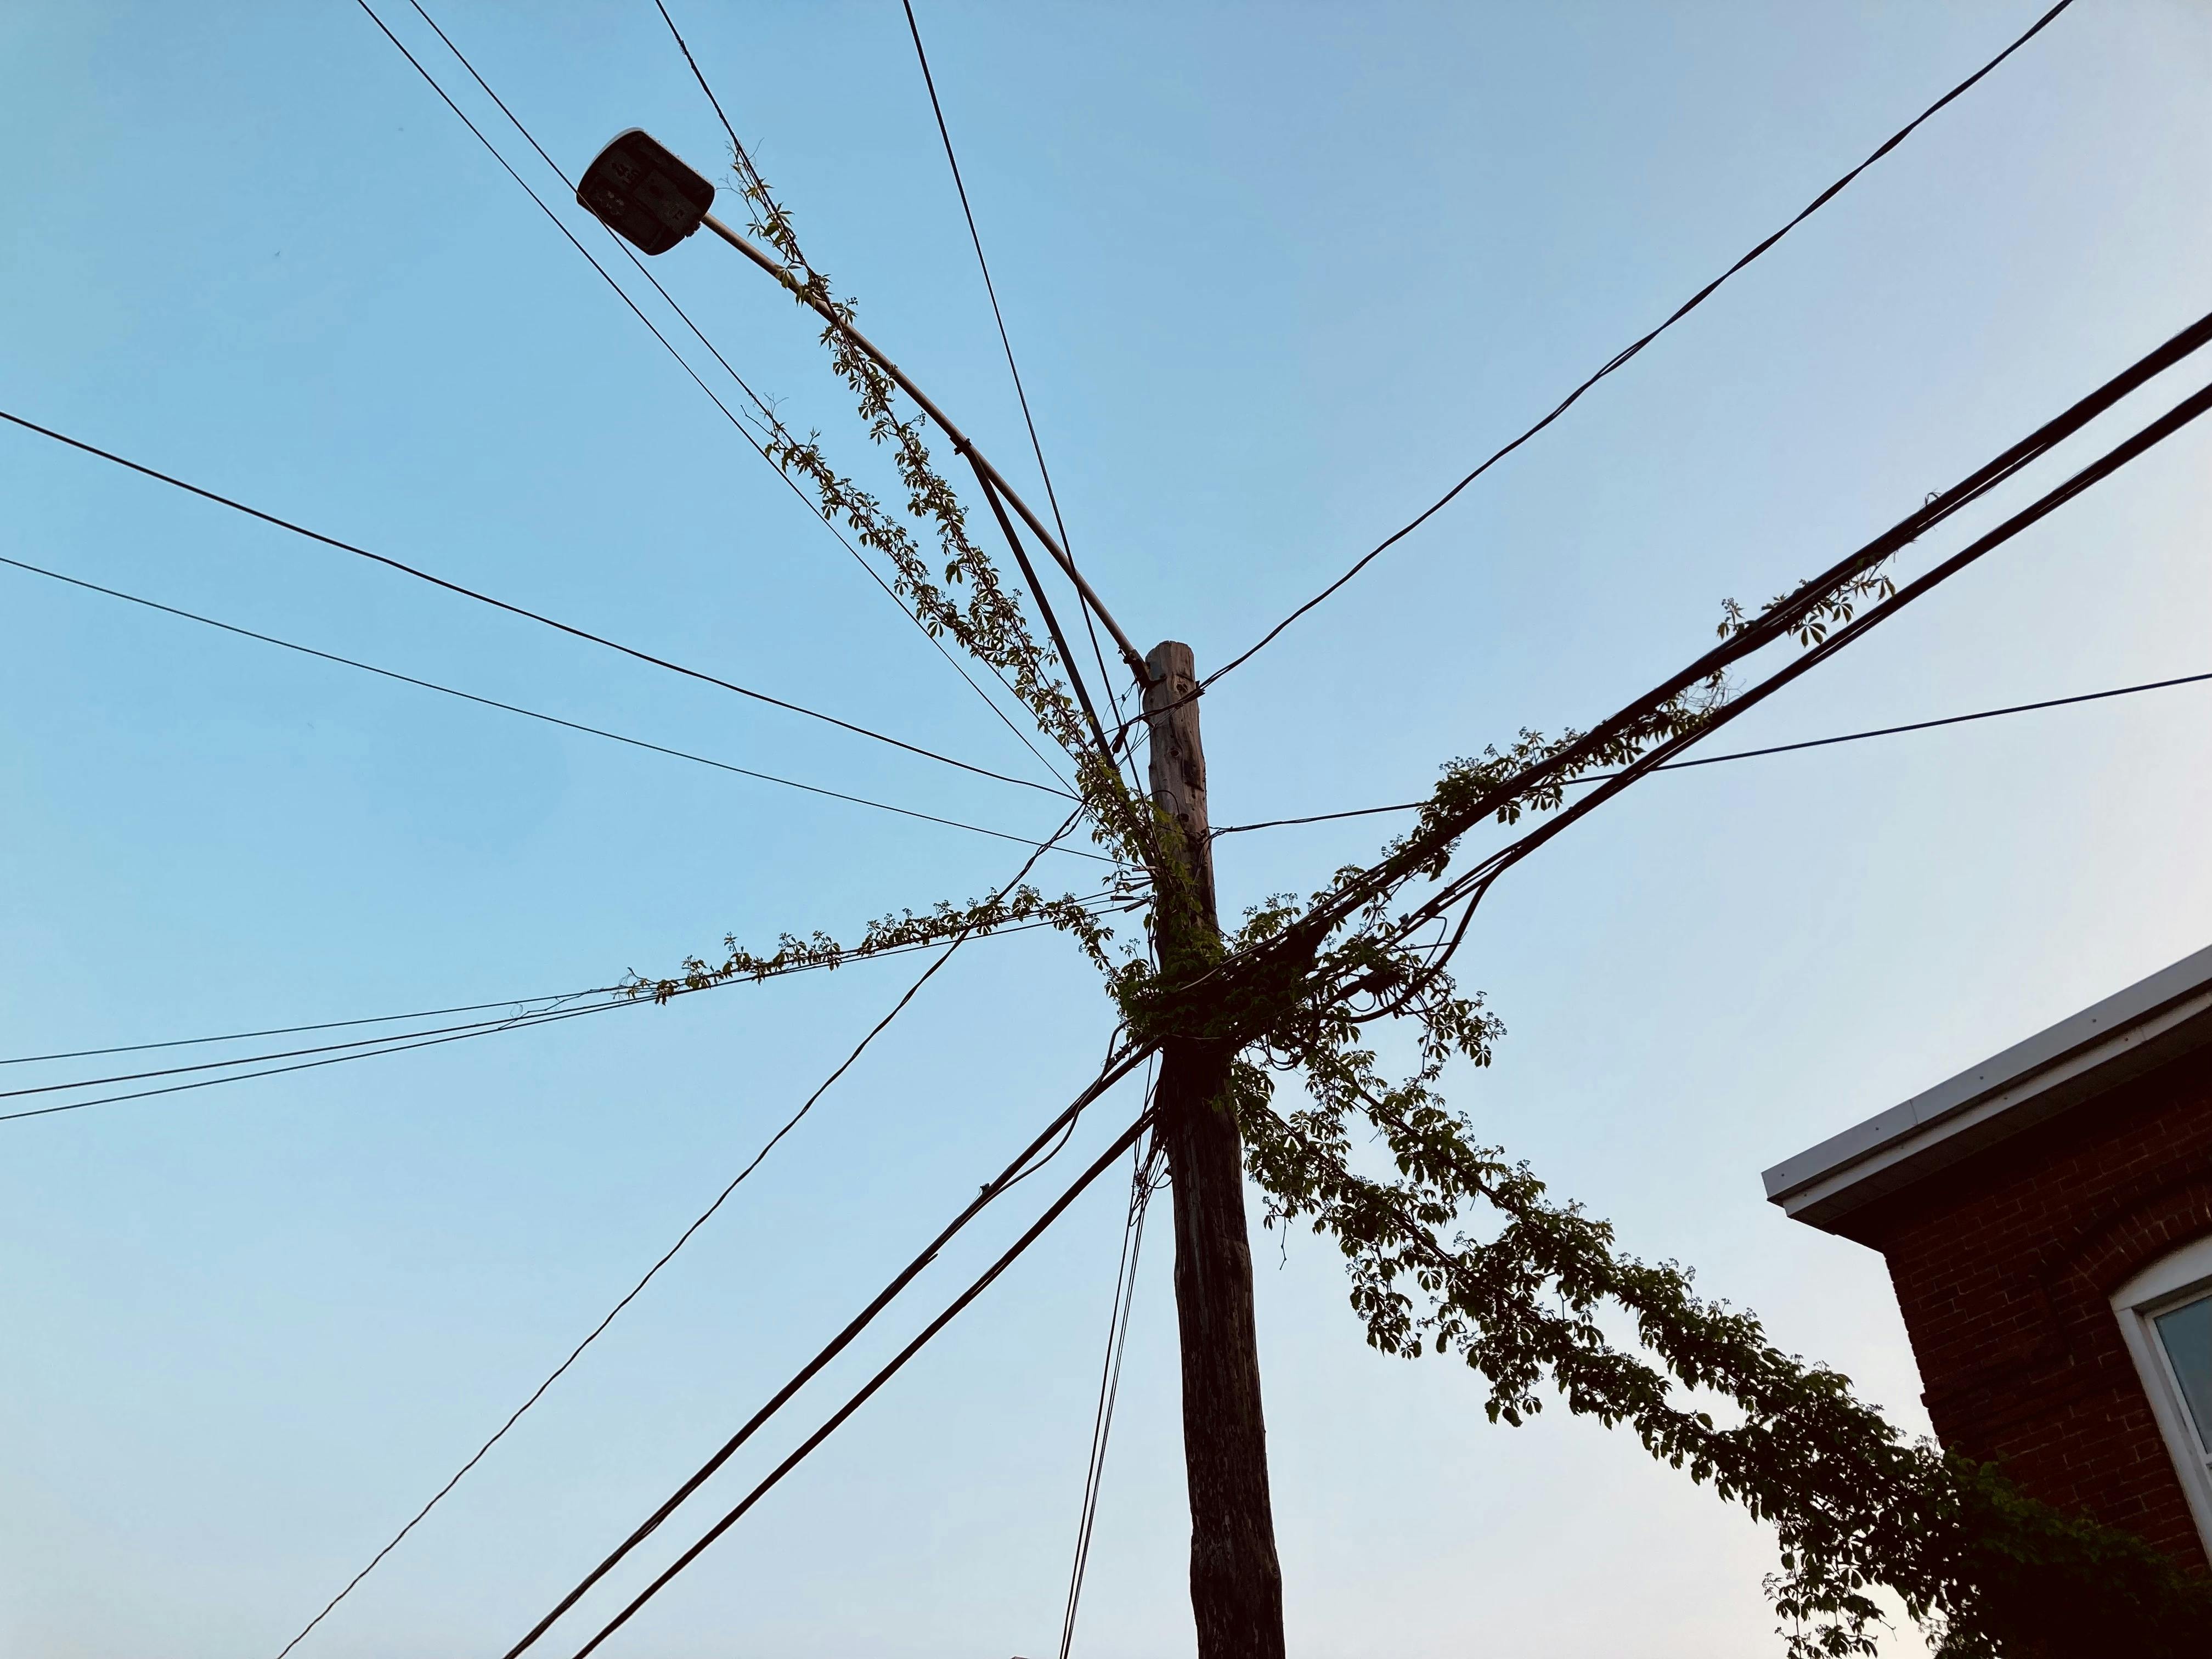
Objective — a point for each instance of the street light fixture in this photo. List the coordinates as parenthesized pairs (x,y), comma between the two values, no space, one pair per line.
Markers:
(643,192)
(637,188)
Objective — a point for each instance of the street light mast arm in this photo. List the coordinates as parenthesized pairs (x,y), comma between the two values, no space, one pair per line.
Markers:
(961,443)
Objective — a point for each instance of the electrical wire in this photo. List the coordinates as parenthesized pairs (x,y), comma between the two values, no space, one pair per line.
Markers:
(481,598)
(1772,748)
(1110,1380)
(399,1043)
(281,1054)
(1005,342)
(685,1237)
(535,714)
(1620,358)
(767,415)
(1105,1161)
(1474,885)
(839,321)
(1785,617)
(518,1004)
(395,1046)
(1031,1159)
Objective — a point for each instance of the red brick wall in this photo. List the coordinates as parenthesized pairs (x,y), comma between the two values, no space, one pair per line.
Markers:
(2004,1266)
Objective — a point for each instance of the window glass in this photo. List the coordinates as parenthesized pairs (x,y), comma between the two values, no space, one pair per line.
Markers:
(2187,1335)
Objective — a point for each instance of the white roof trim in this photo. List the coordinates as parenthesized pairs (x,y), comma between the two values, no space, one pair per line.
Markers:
(2152,1021)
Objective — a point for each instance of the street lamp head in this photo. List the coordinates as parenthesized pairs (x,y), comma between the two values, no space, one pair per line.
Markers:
(639,190)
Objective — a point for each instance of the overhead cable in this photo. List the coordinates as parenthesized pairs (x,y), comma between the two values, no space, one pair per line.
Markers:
(1620,358)
(1005,342)
(1476,883)
(394,1045)
(736,422)
(1110,1383)
(683,1238)
(1104,1161)
(839,319)
(518,1004)
(1024,1164)
(481,598)
(1772,748)
(535,714)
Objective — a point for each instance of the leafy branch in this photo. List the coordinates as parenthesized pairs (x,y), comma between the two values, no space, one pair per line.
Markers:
(1452,1248)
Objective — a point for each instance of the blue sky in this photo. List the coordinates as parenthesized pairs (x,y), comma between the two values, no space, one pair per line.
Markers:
(1276,275)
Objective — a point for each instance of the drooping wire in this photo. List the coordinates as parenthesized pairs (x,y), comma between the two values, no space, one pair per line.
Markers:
(767,415)
(1772,748)
(683,1238)
(1142,1185)
(1621,358)
(535,714)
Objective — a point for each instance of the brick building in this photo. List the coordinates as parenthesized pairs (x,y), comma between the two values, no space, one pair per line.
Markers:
(2047,1219)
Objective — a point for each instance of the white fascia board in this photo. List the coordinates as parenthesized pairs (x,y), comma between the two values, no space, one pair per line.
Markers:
(2152,1021)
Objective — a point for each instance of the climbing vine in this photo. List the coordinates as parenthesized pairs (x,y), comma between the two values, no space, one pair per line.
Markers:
(1451,1248)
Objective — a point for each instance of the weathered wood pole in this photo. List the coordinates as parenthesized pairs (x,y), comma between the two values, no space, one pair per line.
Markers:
(1236,1581)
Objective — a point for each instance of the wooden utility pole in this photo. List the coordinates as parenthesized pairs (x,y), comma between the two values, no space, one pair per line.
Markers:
(1236,1581)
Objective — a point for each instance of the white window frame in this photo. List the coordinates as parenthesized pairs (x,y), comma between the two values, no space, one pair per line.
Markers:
(2169,1283)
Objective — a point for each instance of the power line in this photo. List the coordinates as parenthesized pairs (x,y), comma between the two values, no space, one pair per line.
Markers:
(1793,613)
(501,605)
(1110,1383)
(535,714)
(1476,883)
(839,321)
(1620,359)
(1772,748)
(982,473)
(518,1004)
(1013,369)
(396,1045)
(736,422)
(1032,1158)
(472,1026)
(685,1237)
(1105,1161)
(400,1042)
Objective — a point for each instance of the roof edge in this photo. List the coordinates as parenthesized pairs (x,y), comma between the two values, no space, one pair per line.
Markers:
(2153,1020)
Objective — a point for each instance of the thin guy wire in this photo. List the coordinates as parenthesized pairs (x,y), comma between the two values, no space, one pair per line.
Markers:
(532,713)
(1013,369)
(682,1239)
(767,415)
(1773,748)
(1620,358)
